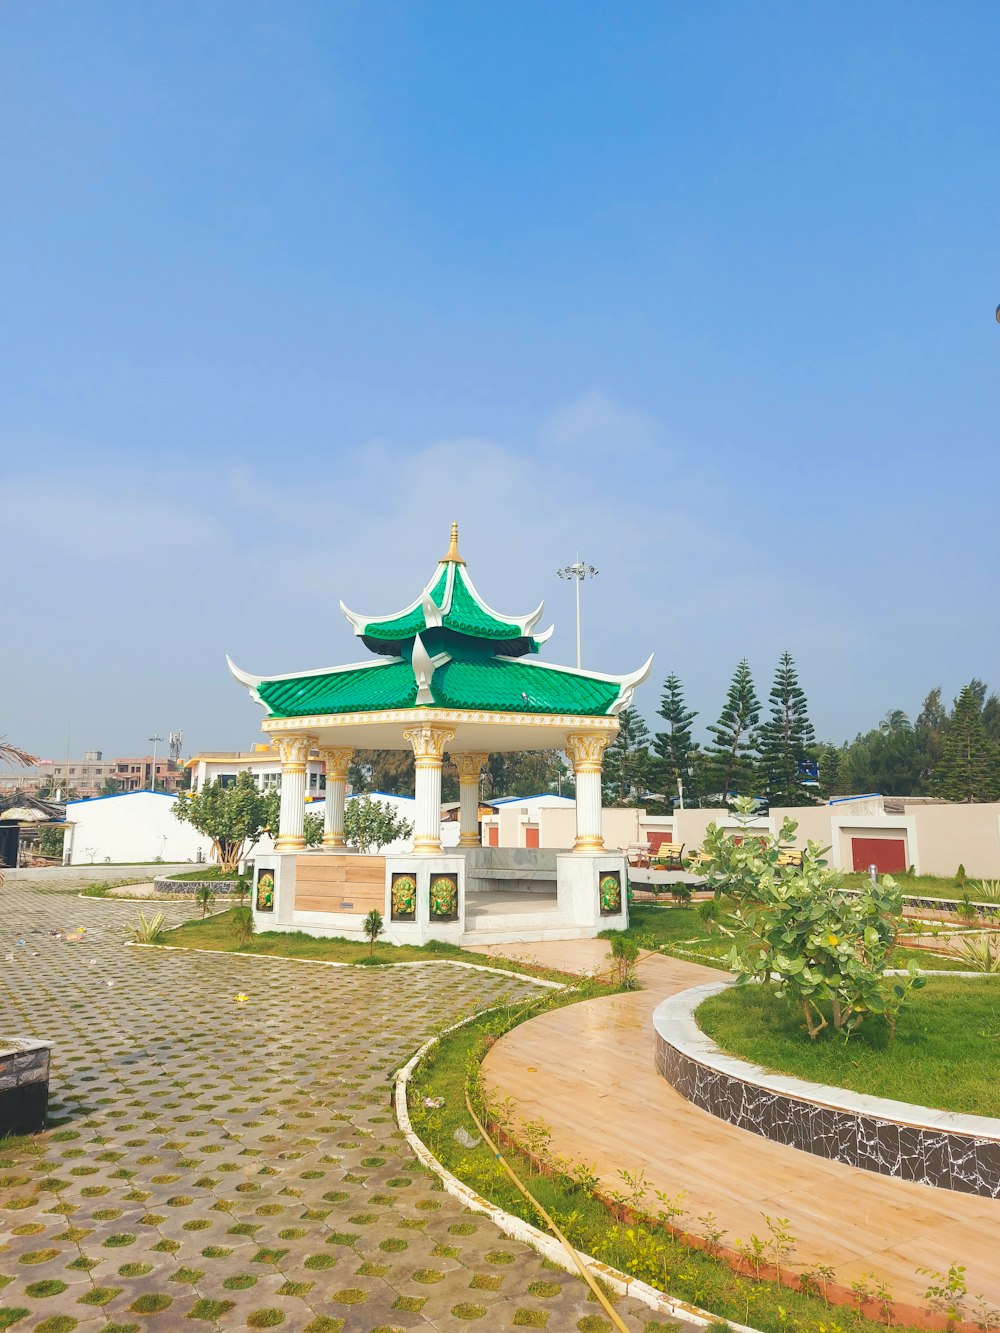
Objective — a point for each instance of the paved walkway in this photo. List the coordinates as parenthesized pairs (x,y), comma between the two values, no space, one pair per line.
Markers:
(224,1165)
(587,1071)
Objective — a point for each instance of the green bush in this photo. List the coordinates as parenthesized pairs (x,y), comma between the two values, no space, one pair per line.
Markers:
(242,925)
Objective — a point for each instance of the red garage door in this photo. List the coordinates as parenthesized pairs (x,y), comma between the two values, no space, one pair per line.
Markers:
(531,835)
(887,855)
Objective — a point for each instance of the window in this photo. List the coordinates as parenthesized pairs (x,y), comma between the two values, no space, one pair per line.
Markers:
(270,781)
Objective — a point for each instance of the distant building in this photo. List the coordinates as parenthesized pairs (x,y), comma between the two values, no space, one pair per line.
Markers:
(263,762)
(131,827)
(87,776)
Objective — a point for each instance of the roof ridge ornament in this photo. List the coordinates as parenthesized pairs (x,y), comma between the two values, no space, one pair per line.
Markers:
(453,556)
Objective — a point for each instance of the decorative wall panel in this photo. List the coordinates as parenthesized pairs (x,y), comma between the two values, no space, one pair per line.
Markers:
(931,1154)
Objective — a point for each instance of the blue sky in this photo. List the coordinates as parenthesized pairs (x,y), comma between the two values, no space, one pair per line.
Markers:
(705,292)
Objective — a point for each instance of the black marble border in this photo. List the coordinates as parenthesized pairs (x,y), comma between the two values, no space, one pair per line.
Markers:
(930,1156)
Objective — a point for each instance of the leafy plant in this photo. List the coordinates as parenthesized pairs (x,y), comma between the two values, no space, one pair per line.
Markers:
(234,817)
(145,930)
(947,1293)
(204,897)
(980,953)
(624,955)
(370,824)
(827,949)
(960,876)
(312,830)
(373,925)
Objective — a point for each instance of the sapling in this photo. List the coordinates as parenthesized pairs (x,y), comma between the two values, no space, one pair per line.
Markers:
(373,925)
(205,897)
(947,1293)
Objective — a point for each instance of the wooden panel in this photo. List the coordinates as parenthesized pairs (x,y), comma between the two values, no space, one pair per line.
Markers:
(887,855)
(330,883)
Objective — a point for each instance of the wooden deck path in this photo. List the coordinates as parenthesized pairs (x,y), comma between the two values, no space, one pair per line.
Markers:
(587,1071)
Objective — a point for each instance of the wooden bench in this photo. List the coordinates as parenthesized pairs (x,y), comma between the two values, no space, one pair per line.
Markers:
(668,856)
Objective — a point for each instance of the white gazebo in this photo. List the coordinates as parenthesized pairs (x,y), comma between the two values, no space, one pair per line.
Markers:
(448,675)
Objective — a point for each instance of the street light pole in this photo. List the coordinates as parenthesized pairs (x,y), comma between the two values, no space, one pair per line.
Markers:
(154,739)
(578,571)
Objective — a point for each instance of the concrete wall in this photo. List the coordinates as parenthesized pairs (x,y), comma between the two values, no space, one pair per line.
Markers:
(134,826)
(949,834)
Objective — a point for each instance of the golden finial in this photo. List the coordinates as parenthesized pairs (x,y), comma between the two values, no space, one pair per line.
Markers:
(453,555)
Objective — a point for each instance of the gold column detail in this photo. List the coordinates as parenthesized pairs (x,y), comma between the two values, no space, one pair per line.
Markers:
(586,753)
(294,752)
(469,764)
(337,761)
(428,751)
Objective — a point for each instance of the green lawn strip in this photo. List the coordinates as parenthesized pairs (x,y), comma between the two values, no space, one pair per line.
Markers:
(681,932)
(205,872)
(643,1249)
(925,886)
(946,1053)
(215,933)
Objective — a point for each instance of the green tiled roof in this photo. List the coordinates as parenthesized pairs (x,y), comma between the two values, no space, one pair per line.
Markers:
(467,615)
(488,683)
(501,686)
(363,690)
(405,626)
(464,614)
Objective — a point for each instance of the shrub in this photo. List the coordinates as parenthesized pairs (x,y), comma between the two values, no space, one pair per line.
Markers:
(204,897)
(624,957)
(242,926)
(146,930)
(960,876)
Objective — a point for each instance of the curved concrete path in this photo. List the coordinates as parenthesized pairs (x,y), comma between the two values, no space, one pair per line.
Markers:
(587,1071)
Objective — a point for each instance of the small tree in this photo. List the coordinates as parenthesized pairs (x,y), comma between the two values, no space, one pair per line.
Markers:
(242,926)
(627,760)
(731,754)
(370,824)
(968,769)
(234,817)
(674,747)
(312,830)
(373,925)
(50,840)
(784,740)
(204,895)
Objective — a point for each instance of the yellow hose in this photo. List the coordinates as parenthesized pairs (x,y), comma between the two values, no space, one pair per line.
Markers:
(550,1223)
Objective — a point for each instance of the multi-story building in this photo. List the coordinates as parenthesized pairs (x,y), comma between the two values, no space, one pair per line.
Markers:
(262,761)
(88,776)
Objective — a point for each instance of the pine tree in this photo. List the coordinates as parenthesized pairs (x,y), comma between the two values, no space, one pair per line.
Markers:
(731,755)
(626,760)
(785,738)
(674,748)
(968,768)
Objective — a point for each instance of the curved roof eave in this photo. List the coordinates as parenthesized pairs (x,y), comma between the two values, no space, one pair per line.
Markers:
(424,601)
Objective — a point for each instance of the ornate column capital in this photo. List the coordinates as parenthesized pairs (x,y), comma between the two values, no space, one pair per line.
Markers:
(470,763)
(337,761)
(294,751)
(586,750)
(429,744)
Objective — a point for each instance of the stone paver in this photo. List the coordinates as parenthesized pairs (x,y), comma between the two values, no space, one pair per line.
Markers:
(224,1165)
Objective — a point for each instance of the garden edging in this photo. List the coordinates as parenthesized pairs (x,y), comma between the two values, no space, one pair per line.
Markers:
(518,1229)
(917,1143)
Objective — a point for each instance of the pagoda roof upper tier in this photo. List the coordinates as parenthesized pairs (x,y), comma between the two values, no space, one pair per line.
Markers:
(449,601)
(469,681)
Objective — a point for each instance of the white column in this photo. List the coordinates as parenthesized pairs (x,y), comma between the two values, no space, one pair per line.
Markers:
(294,751)
(469,766)
(586,752)
(337,763)
(428,750)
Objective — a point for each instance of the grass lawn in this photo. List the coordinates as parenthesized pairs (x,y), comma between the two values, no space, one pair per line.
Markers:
(205,872)
(946,1053)
(215,932)
(680,931)
(926,886)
